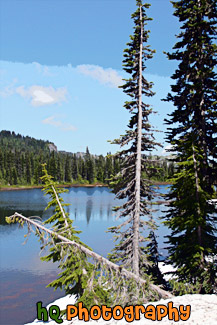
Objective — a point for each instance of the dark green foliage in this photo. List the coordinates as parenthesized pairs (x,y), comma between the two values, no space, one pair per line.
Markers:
(21,159)
(28,170)
(108,167)
(205,283)
(14,176)
(68,171)
(90,167)
(153,258)
(52,167)
(193,135)
(182,288)
(18,142)
(23,156)
(75,167)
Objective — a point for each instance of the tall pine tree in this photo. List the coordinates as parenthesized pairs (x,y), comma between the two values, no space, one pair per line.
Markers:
(192,133)
(129,184)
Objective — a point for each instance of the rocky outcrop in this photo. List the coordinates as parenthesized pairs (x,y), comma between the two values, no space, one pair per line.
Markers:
(52,147)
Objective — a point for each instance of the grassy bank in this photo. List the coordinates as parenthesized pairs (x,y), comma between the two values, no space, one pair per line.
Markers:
(67,185)
(30,187)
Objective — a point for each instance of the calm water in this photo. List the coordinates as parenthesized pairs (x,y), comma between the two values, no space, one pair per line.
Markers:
(23,276)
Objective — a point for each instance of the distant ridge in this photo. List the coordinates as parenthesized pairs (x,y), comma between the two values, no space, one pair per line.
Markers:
(18,142)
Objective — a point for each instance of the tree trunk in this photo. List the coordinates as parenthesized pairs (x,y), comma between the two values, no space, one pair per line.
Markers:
(199,233)
(138,164)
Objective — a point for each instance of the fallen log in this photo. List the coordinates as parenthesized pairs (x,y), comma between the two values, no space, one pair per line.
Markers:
(119,270)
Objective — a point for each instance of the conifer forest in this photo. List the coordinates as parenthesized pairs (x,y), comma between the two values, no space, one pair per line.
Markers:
(21,160)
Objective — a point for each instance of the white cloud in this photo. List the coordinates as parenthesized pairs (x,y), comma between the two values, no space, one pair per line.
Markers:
(165,152)
(108,77)
(41,96)
(62,126)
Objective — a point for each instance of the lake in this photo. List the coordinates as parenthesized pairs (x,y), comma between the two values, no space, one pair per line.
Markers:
(23,276)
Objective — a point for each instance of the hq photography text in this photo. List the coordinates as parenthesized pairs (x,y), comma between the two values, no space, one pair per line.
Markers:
(129,313)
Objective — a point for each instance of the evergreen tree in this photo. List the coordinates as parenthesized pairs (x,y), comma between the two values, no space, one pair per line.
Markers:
(68,170)
(59,170)
(53,166)
(193,242)
(108,168)
(28,169)
(116,166)
(32,163)
(36,173)
(171,169)
(83,169)
(100,165)
(22,169)
(90,170)
(75,170)
(1,161)
(154,259)
(129,184)
(80,164)
(90,167)
(9,165)
(14,176)
(87,155)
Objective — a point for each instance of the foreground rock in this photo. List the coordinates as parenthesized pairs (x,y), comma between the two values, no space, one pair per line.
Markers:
(203,311)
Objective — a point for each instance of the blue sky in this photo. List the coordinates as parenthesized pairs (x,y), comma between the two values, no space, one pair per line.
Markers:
(61,64)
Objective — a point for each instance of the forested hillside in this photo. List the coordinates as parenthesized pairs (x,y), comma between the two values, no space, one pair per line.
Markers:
(21,158)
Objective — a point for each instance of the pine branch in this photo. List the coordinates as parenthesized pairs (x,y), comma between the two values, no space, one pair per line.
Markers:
(102,260)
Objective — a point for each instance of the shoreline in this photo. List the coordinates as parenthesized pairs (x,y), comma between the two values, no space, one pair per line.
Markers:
(31,187)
